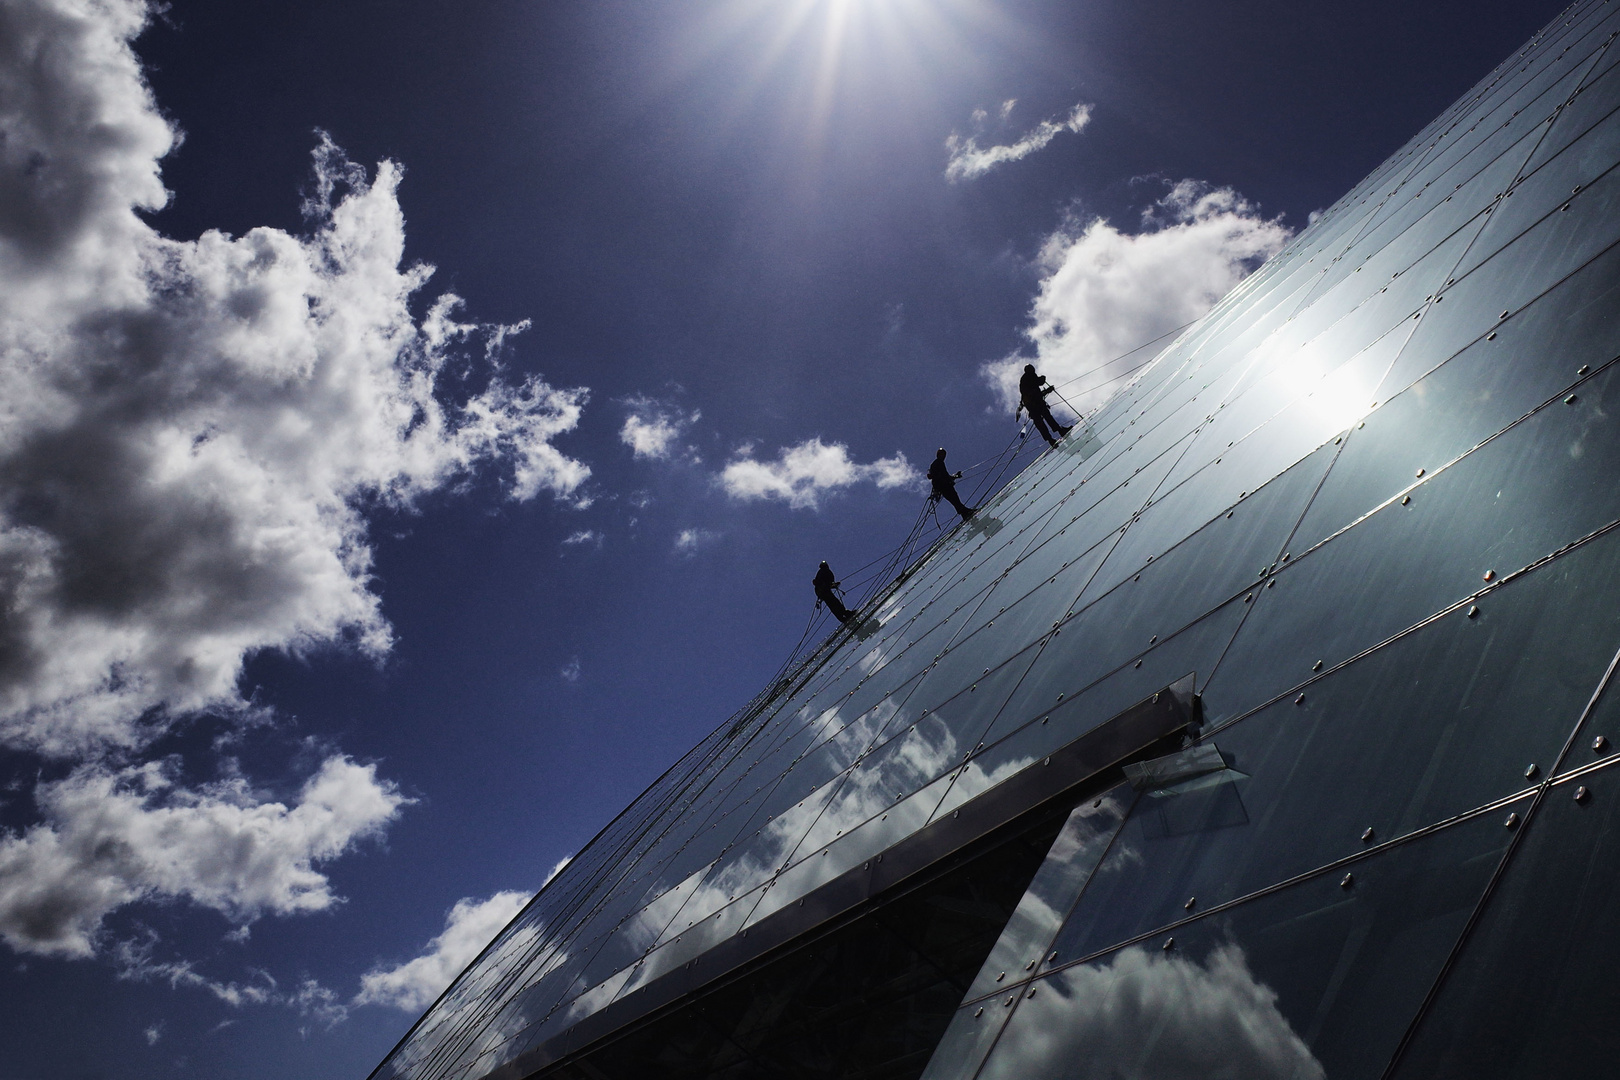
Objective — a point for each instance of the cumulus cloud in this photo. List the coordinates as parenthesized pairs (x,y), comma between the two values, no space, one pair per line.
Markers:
(969,160)
(801,475)
(653,428)
(110,838)
(1177,1018)
(191,436)
(468,927)
(1105,292)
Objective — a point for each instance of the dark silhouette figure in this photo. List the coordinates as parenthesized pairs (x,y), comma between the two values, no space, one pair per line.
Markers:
(944,482)
(1033,397)
(825,583)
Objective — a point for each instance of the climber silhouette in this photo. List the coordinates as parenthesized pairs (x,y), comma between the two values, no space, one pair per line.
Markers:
(944,482)
(825,583)
(1032,396)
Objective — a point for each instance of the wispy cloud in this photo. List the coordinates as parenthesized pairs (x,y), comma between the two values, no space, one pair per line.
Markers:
(1105,292)
(584,538)
(803,474)
(570,671)
(135,962)
(468,927)
(968,160)
(653,428)
(688,541)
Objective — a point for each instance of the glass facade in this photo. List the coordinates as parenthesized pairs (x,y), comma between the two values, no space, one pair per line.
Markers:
(1353,541)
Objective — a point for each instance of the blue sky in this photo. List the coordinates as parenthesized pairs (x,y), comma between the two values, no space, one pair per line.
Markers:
(335,615)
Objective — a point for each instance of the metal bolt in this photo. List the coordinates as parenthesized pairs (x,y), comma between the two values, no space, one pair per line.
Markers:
(1003,975)
(1570,400)
(1366,837)
(1581,793)
(1349,880)
(1138,663)
(1008,1003)
(1153,639)
(1491,336)
(1300,700)
(1504,315)
(1530,771)
(1512,821)
(1030,966)
(1582,370)
(1169,943)
(1599,743)
(1246,599)
(1191,900)
(1031,992)
(1271,584)
(1490,575)
(1405,499)
(1420,472)
(1473,610)
(979,1013)
(1317,666)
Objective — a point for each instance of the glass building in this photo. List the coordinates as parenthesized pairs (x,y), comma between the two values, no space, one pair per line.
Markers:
(1266,728)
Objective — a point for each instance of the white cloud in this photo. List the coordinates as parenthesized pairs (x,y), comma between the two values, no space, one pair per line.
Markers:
(191,430)
(468,927)
(312,1000)
(687,541)
(654,427)
(191,435)
(969,160)
(557,869)
(584,537)
(802,474)
(153,1034)
(1176,1018)
(570,670)
(1106,292)
(110,838)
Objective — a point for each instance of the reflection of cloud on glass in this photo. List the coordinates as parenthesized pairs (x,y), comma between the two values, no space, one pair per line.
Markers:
(1068,864)
(1176,1018)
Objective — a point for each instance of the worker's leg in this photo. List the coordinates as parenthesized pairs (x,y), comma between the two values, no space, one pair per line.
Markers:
(1044,420)
(956,500)
(1040,426)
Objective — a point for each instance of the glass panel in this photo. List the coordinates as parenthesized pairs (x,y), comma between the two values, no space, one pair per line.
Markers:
(1432,725)
(1542,484)
(1068,866)
(1533,991)
(1466,400)
(973,1029)
(1589,108)
(1316,980)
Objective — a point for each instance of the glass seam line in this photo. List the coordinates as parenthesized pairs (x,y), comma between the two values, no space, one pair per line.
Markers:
(1545,560)
(1478,913)
(1438,470)
(1119,829)
(1326,868)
